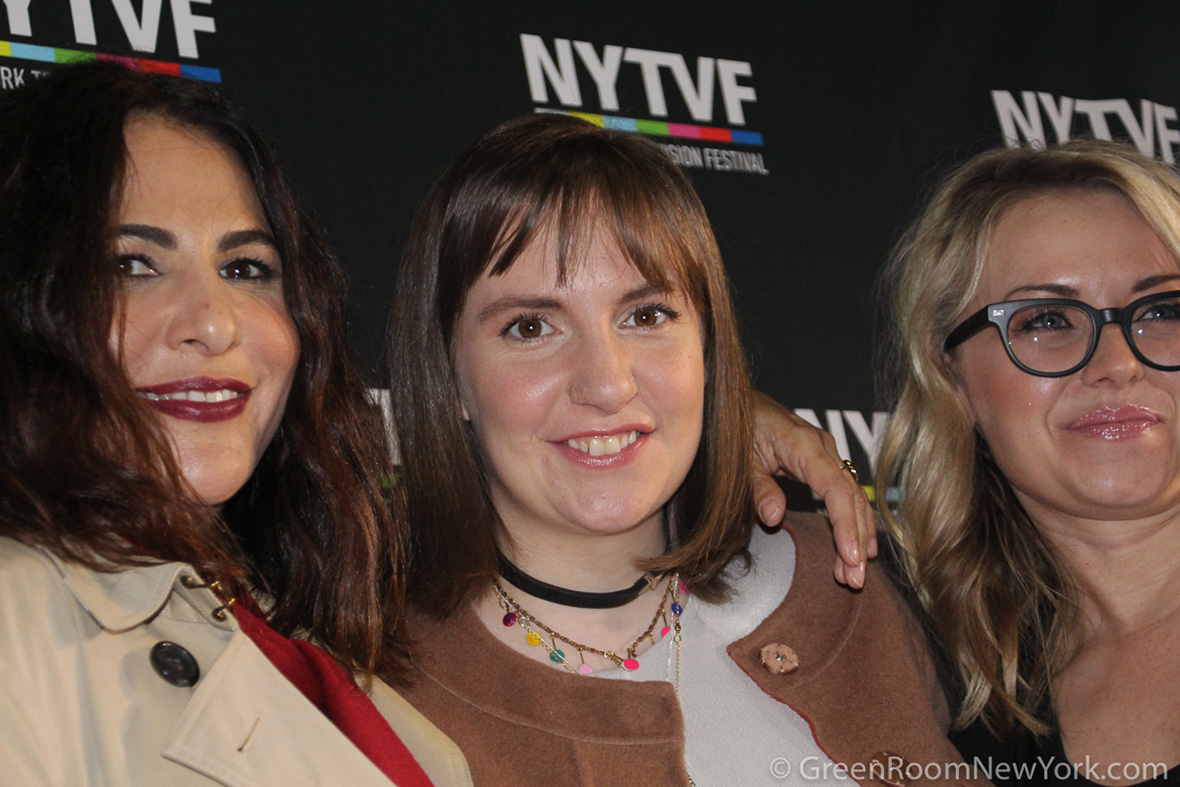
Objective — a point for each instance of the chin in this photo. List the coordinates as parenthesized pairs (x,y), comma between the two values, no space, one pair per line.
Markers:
(609,520)
(215,497)
(214,488)
(1123,503)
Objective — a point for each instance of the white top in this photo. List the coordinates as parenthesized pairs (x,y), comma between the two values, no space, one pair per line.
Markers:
(734,733)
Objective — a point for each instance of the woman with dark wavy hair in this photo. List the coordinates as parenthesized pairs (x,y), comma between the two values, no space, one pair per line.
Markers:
(183,432)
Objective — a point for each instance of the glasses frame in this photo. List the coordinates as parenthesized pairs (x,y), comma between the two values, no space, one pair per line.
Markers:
(999,313)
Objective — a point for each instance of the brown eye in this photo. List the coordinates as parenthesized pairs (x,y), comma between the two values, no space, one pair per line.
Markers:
(245,268)
(650,316)
(134,266)
(529,328)
(646,317)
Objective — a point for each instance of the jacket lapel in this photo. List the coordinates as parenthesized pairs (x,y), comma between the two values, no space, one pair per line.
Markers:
(247,725)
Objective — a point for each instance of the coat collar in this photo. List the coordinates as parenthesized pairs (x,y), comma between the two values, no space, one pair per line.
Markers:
(819,615)
(123,599)
(865,682)
(757,588)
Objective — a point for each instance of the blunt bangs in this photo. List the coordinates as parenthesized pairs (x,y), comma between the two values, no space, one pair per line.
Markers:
(575,184)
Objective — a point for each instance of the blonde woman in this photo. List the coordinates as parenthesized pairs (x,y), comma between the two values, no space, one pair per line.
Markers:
(1036,441)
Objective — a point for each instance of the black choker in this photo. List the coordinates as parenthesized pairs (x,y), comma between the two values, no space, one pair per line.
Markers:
(574,598)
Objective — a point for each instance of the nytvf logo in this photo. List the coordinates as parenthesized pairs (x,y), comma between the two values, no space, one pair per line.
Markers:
(142,28)
(561,68)
(1030,119)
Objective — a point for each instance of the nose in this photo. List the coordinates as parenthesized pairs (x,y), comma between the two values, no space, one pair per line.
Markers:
(603,373)
(1114,363)
(206,317)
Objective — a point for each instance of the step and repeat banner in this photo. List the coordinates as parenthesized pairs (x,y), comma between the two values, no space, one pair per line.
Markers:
(811,130)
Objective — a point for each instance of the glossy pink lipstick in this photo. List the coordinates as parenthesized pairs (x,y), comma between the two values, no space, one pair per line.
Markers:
(1115,423)
(608,448)
(202,399)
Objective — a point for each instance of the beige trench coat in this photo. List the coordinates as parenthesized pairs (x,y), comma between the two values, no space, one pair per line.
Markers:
(81,704)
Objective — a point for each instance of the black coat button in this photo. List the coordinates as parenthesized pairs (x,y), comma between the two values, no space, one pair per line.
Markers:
(175,664)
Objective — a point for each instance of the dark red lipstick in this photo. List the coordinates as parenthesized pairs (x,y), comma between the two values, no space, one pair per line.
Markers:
(201,399)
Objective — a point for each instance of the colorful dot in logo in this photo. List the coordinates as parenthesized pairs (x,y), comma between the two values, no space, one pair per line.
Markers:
(50,54)
(658,128)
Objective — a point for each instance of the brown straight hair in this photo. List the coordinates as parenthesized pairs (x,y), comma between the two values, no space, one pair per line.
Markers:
(528,175)
(87,471)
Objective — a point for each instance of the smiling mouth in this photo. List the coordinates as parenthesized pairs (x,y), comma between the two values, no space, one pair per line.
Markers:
(201,399)
(222,395)
(604,446)
(1115,423)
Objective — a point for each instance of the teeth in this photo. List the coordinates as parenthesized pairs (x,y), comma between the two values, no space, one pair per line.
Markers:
(192,396)
(604,446)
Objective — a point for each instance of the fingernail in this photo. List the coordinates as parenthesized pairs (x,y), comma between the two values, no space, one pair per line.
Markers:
(854,552)
(765,511)
(873,546)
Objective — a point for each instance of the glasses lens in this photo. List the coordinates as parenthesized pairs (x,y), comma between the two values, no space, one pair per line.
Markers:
(1156,331)
(1050,338)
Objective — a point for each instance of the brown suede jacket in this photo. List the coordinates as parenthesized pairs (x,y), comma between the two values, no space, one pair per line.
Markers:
(866,685)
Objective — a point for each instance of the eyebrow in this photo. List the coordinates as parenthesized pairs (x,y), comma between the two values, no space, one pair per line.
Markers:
(165,239)
(541,302)
(151,234)
(232,240)
(646,291)
(1143,285)
(1065,291)
(514,302)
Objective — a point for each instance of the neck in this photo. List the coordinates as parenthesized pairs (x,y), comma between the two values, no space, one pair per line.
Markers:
(1126,572)
(589,562)
(593,562)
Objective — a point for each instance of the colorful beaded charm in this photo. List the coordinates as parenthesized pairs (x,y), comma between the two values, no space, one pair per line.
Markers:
(513,614)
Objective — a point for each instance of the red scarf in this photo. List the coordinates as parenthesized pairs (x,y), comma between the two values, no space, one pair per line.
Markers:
(331,689)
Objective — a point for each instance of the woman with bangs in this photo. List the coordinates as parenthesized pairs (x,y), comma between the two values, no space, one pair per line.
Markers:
(592,602)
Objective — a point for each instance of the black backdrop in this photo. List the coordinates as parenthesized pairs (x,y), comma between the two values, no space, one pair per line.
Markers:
(860,106)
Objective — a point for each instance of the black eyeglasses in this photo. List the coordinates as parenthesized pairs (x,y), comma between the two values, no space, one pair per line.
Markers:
(1055,337)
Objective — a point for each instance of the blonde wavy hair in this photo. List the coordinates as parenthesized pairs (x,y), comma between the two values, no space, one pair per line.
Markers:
(998,599)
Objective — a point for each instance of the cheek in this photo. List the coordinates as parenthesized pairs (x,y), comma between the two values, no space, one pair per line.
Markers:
(675,375)
(134,335)
(276,353)
(673,381)
(282,347)
(507,398)
(1012,410)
